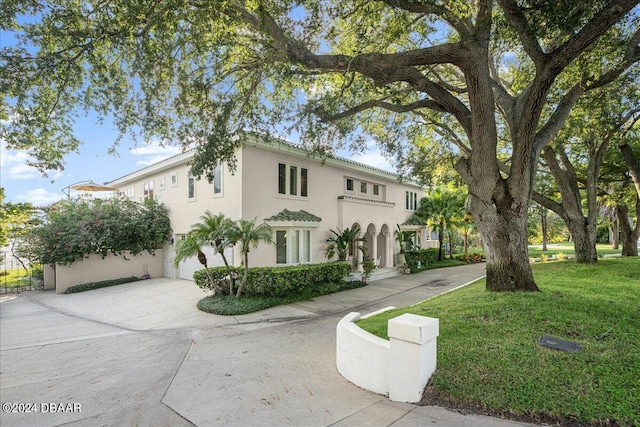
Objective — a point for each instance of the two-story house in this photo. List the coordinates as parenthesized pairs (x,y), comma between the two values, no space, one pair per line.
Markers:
(300,196)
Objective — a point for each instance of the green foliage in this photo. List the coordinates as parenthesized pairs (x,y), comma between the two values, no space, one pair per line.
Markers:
(231,306)
(424,256)
(342,241)
(442,209)
(37,272)
(368,265)
(489,357)
(74,229)
(405,238)
(248,234)
(102,284)
(278,281)
(13,278)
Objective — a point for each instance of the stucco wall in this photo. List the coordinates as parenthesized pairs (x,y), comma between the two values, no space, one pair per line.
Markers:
(95,269)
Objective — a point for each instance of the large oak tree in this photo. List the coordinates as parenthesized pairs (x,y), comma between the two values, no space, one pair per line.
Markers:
(204,72)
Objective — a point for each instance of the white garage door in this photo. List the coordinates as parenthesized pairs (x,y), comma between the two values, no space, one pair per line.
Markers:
(191,265)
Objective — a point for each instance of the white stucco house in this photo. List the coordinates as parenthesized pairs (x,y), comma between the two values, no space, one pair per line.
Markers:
(301,197)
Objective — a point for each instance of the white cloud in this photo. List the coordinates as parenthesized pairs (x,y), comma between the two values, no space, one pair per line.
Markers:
(39,197)
(154,152)
(14,165)
(22,171)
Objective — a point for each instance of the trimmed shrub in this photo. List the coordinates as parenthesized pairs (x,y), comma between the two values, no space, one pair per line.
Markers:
(103,284)
(279,281)
(37,272)
(424,256)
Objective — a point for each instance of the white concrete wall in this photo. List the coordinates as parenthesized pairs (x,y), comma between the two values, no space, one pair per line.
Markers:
(400,367)
(361,357)
(95,269)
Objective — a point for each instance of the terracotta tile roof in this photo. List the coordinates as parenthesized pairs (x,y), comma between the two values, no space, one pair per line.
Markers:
(287,215)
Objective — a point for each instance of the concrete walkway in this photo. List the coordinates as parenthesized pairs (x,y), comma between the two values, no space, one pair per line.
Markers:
(142,354)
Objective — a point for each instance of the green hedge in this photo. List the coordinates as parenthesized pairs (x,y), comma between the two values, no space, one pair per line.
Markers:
(425,256)
(103,284)
(280,281)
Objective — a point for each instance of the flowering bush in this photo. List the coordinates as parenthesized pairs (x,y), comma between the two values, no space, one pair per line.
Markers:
(74,229)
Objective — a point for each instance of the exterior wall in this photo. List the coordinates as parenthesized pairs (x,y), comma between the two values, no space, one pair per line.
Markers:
(95,269)
(185,211)
(327,199)
(252,192)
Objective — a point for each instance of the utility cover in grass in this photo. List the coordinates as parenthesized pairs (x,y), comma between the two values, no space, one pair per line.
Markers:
(558,344)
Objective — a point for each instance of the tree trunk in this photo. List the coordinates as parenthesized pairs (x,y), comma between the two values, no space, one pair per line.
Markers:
(244,275)
(504,233)
(584,240)
(440,241)
(232,278)
(466,243)
(614,234)
(629,235)
(543,220)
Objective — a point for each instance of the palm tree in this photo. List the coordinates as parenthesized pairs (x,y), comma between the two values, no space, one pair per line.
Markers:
(189,246)
(215,229)
(247,234)
(340,243)
(440,210)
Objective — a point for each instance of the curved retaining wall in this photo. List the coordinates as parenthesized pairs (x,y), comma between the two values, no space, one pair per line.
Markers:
(400,367)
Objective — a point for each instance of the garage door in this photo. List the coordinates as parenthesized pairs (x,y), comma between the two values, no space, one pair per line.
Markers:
(191,265)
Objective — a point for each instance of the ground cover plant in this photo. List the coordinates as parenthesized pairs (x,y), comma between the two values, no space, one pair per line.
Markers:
(229,305)
(489,359)
(102,284)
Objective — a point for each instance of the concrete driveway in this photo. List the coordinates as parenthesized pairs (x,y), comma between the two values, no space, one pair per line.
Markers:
(142,354)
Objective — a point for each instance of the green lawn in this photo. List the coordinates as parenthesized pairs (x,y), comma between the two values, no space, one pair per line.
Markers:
(13,278)
(489,358)
(567,249)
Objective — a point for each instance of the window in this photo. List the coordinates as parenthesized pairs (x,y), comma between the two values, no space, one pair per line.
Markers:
(376,190)
(293,246)
(304,182)
(363,187)
(191,187)
(174,180)
(162,184)
(282,178)
(130,192)
(217,180)
(148,190)
(349,184)
(293,180)
(281,247)
(410,200)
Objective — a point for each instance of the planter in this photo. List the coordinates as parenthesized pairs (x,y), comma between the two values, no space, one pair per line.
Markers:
(401,259)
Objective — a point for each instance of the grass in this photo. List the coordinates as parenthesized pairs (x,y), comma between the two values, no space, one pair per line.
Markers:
(227,305)
(489,358)
(567,248)
(14,278)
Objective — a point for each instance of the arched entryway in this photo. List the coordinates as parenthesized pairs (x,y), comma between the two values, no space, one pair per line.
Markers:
(383,247)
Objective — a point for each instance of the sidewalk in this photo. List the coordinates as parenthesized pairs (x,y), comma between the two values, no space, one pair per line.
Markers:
(141,354)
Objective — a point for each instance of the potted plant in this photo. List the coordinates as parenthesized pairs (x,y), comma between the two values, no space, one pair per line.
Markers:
(404,240)
(367,268)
